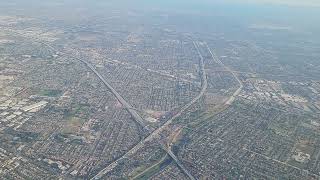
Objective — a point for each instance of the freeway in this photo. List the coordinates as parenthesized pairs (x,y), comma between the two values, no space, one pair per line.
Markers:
(156,133)
(237,92)
(179,163)
(129,108)
(137,117)
(203,74)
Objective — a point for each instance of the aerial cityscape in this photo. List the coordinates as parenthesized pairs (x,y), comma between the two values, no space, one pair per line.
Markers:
(160,90)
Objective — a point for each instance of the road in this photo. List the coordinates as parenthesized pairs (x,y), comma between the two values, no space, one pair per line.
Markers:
(129,108)
(138,118)
(178,162)
(203,74)
(136,177)
(237,92)
(165,125)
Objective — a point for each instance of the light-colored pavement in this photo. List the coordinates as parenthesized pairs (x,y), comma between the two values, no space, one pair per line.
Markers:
(129,108)
(165,125)
(237,92)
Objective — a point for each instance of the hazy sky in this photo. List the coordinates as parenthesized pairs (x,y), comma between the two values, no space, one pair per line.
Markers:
(313,3)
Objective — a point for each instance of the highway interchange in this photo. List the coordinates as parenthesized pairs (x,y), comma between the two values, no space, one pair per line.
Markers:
(155,133)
